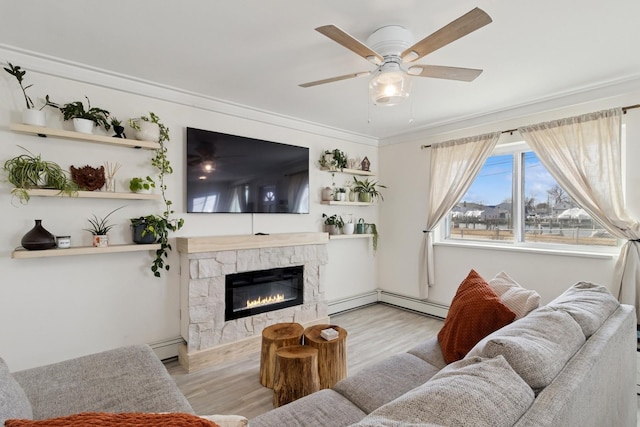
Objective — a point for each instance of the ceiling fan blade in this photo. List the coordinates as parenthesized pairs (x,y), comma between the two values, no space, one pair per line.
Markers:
(335,79)
(341,37)
(468,23)
(449,73)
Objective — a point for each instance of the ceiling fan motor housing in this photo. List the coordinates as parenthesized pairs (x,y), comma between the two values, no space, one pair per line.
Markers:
(390,40)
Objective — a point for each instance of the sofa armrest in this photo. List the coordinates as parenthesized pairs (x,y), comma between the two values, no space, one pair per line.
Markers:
(127,379)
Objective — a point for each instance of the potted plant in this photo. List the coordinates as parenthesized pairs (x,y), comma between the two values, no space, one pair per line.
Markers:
(340,194)
(117,127)
(99,229)
(334,223)
(84,120)
(367,190)
(162,224)
(28,171)
(333,159)
(30,116)
(149,128)
(138,184)
(146,229)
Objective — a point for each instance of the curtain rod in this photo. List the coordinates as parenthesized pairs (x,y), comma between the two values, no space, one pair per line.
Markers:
(511,131)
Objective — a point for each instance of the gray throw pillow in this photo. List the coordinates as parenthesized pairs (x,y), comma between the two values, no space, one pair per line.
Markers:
(536,346)
(13,400)
(589,304)
(473,391)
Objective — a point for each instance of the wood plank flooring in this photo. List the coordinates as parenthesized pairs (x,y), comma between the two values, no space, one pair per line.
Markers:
(375,333)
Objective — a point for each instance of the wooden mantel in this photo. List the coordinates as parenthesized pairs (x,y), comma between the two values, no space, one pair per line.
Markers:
(192,245)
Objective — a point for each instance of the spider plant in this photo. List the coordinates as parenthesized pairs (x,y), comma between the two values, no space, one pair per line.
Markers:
(101,226)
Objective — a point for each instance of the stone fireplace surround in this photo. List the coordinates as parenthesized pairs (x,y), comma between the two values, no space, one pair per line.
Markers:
(204,262)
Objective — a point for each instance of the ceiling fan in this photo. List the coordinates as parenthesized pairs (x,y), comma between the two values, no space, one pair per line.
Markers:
(390,49)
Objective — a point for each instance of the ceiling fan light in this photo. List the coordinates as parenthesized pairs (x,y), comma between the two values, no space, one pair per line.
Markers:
(389,85)
(208,166)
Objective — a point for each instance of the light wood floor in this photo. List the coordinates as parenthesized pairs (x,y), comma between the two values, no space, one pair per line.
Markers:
(375,333)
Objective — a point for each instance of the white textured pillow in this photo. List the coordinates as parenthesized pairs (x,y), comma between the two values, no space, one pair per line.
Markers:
(227,420)
(472,392)
(519,300)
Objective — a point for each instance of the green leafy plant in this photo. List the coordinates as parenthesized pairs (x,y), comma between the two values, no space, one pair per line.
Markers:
(338,159)
(115,122)
(137,184)
(76,110)
(374,239)
(152,225)
(101,226)
(28,171)
(368,187)
(17,72)
(333,220)
(163,223)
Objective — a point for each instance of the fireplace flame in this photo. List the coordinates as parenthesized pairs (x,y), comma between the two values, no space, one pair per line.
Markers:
(271,299)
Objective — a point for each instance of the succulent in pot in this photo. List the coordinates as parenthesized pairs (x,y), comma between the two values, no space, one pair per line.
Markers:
(100,227)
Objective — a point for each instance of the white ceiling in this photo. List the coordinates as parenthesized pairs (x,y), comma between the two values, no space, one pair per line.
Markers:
(256,52)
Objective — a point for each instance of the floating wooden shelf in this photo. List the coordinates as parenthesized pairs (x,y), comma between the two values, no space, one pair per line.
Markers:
(83,250)
(42,192)
(351,171)
(78,136)
(334,202)
(348,236)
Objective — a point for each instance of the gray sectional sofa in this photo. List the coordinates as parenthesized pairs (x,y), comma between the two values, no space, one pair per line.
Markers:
(569,363)
(128,379)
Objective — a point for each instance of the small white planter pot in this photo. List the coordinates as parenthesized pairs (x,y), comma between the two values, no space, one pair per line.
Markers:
(348,228)
(101,241)
(148,131)
(34,117)
(333,229)
(83,125)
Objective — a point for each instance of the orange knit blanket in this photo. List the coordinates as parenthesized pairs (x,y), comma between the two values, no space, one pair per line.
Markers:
(93,419)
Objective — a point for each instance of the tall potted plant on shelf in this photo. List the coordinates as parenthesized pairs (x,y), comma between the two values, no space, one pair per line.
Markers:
(156,225)
(367,190)
(30,116)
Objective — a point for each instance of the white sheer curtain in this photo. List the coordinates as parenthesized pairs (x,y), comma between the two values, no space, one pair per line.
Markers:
(583,154)
(454,166)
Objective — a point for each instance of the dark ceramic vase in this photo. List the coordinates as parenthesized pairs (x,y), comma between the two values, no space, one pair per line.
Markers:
(38,238)
(139,238)
(119,132)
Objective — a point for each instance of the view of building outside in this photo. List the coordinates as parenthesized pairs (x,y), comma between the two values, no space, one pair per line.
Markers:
(549,214)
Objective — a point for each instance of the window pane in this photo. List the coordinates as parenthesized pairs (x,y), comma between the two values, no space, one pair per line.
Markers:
(484,213)
(551,216)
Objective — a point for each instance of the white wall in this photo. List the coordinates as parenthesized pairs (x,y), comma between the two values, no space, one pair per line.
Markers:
(403,165)
(52,309)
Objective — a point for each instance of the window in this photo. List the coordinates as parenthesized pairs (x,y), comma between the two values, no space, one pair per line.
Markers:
(515,200)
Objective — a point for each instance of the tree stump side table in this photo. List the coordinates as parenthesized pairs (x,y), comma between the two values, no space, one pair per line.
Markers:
(296,374)
(332,355)
(274,337)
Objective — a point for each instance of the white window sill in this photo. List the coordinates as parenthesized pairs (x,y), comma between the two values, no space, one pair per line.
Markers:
(603,253)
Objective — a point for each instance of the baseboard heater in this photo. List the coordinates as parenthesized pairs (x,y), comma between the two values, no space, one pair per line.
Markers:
(167,349)
(402,301)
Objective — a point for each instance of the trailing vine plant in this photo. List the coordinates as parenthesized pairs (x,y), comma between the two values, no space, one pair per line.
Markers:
(160,225)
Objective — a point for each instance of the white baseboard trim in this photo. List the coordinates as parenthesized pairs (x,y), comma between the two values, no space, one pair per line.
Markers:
(352,302)
(415,304)
(166,349)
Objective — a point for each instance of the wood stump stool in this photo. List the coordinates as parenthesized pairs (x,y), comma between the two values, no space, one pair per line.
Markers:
(296,374)
(274,337)
(332,355)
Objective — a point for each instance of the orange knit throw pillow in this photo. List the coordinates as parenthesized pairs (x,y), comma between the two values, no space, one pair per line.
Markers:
(92,419)
(475,312)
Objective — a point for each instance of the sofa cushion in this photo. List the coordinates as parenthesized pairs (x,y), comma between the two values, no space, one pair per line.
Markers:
(473,391)
(429,351)
(126,379)
(519,299)
(322,408)
(86,419)
(381,382)
(475,312)
(536,346)
(588,303)
(13,400)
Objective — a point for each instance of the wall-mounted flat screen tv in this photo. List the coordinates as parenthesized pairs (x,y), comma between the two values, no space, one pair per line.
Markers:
(235,174)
